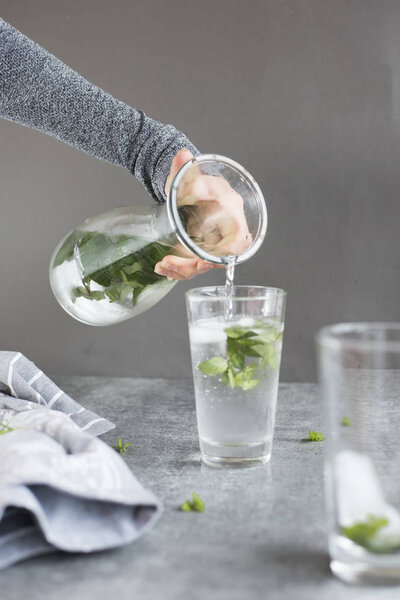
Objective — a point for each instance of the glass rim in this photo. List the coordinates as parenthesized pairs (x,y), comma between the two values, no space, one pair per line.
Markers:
(199,292)
(175,220)
(333,336)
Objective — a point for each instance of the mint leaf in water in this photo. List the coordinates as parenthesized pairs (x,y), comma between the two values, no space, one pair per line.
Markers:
(243,342)
(316,436)
(239,332)
(66,251)
(214,366)
(122,265)
(269,355)
(231,376)
(363,532)
(236,357)
(196,504)
(130,269)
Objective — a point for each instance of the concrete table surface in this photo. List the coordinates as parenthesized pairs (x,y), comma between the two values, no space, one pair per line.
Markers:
(262,535)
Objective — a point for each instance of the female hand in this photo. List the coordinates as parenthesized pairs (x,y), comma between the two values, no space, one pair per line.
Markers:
(215,216)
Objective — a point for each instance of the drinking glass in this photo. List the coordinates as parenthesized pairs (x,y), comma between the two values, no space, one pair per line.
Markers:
(359,365)
(236,343)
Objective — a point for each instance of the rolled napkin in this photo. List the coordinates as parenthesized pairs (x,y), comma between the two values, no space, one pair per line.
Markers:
(60,487)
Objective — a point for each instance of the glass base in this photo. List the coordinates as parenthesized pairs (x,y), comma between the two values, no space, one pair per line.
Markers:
(235,455)
(354,564)
(236,463)
(365,574)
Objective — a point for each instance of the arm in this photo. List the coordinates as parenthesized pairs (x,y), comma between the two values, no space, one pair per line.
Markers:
(39,91)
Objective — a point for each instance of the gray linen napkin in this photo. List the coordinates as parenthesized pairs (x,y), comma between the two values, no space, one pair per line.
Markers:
(21,378)
(60,487)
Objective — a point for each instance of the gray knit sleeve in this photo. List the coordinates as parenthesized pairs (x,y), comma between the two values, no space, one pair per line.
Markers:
(38,90)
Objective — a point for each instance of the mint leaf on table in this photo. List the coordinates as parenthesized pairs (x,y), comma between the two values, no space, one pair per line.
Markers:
(196,504)
(122,448)
(364,532)
(242,342)
(5,428)
(315,436)
(346,421)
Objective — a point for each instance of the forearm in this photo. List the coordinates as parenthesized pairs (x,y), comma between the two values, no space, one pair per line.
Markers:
(38,90)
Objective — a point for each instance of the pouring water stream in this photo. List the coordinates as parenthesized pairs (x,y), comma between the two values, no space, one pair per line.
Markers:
(230,273)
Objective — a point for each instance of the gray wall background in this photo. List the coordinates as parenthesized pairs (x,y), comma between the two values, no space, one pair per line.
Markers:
(304,93)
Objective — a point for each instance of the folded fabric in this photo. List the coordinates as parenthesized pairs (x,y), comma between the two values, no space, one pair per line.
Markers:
(21,378)
(60,487)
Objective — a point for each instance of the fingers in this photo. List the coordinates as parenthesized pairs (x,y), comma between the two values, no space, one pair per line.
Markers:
(232,244)
(176,267)
(215,217)
(196,188)
(180,159)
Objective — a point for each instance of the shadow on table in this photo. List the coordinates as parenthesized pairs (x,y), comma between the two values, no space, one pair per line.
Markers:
(298,563)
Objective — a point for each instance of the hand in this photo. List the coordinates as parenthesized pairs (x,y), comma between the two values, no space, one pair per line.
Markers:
(217,219)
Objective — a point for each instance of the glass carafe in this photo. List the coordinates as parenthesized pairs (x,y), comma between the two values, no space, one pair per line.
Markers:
(103,271)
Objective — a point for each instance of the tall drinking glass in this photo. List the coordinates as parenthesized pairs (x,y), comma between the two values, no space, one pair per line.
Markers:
(359,366)
(236,345)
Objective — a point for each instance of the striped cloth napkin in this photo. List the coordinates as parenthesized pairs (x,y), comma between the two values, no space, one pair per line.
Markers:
(61,488)
(21,378)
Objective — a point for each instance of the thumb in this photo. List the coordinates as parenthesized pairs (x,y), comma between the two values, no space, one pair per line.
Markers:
(180,159)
